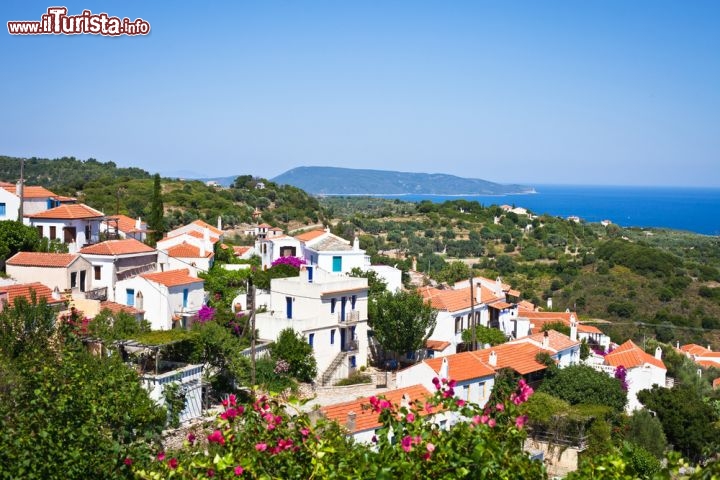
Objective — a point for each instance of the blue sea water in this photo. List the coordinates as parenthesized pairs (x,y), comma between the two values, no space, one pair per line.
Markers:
(692,209)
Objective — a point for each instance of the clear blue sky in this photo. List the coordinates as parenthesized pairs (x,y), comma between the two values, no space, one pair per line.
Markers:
(534,92)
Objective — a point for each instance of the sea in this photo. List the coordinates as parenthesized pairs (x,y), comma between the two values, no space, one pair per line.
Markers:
(691,209)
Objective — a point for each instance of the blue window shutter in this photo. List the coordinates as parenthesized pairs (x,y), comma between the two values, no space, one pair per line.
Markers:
(311,339)
(337,264)
(186,292)
(130,292)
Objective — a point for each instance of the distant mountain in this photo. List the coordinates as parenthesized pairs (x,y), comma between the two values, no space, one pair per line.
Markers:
(349,181)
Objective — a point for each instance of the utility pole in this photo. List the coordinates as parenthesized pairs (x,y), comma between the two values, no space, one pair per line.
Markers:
(22,190)
(251,307)
(472,315)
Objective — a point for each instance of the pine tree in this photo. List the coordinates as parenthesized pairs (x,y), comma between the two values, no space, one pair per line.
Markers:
(156,221)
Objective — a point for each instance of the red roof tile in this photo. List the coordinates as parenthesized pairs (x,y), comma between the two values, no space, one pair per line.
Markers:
(238,250)
(365,418)
(212,229)
(694,349)
(125,223)
(117,308)
(518,356)
(30,191)
(25,289)
(185,250)
(450,300)
(127,246)
(42,259)
(436,345)
(630,355)
(463,366)
(311,235)
(69,212)
(172,278)
(556,340)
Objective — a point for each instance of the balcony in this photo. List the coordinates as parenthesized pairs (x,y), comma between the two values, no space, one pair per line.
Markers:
(99,294)
(349,318)
(350,346)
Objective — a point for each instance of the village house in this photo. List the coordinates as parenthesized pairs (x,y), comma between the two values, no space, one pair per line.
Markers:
(35,200)
(116,260)
(243,252)
(702,356)
(199,229)
(10,293)
(170,299)
(564,349)
(186,255)
(76,225)
(122,226)
(62,271)
(329,311)
(592,335)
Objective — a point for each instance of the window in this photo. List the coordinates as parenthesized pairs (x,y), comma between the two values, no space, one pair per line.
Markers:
(352,301)
(333,301)
(458,324)
(332,337)
(39,229)
(87,233)
(130,294)
(337,264)
(73,279)
(2,209)
(466,392)
(53,232)
(97,272)
(186,293)
(311,339)
(353,361)
(288,307)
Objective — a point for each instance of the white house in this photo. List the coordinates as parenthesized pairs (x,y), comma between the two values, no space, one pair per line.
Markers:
(332,253)
(390,275)
(270,249)
(166,297)
(703,356)
(61,271)
(198,228)
(593,336)
(186,255)
(74,224)
(643,370)
(122,226)
(564,349)
(329,311)
(35,200)
(10,293)
(116,260)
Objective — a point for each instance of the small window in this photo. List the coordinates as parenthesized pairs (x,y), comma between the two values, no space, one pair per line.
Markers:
(332,337)
(97,272)
(352,301)
(186,294)
(311,339)
(39,229)
(458,324)
(53,232)
(2,209)
(353,361)
(333,301)
(130,297)
(337,264)
(73,279)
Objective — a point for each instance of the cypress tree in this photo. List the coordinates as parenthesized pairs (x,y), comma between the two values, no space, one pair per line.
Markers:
(156,221)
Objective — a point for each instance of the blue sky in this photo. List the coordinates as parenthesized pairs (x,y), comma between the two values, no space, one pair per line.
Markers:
(534,92)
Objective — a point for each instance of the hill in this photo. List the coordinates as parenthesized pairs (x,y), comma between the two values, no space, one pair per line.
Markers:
(349,181)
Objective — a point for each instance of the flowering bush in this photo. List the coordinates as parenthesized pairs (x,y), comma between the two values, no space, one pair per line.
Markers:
(263,439)
(296,262)
(621,375)
(206,314)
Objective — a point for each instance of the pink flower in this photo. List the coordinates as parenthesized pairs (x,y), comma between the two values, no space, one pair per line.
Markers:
(410,417)
(173,463)
(191,438)
(305,432)
(430,447)
(520,421)
(436,382)
(239,470)
(460,402)
(216,437)
(485,419)
(491,423)
(232,398)
(417,440)
(261,447)
(161,456)
(128,461)
(452,383)
(499,407)
(428,408)
(406,443)
(211,473)
(476,419)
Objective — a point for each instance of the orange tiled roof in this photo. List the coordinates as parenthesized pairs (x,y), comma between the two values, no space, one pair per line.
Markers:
(194,233)
(212,229)
(436,345)
(556,340)
(264,225)
(524,305)
(518,356)
(500,305)
(694,349)
(25,289)
(239,250)
(365,418)
(449,300)
(630,355)
(588,329)
(463,366)
(125,223)
(172,278)
(69,212)
(126,246)
(311,235)
(185,250)
(31,191)
(708,363)
(42,259)
(118,307)
(64,199)
(716,383)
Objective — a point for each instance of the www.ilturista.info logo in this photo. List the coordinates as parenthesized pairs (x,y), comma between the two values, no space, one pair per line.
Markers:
(57,22)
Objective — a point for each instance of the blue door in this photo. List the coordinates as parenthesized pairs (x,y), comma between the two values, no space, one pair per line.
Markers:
(130,292)
(337,264)
(288,306)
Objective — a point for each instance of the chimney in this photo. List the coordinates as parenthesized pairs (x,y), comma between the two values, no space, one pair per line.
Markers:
(677,344)
(492,360)
(573,329)
(658,353)
(219,224)
(549,303)
(546,341)
(405,400)
(709,348)
(56,294)
(138,224)
(444,368)
(350,421)
(356,244)
(414,264)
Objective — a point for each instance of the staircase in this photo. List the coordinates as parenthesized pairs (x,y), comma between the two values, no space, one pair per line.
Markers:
(330,371)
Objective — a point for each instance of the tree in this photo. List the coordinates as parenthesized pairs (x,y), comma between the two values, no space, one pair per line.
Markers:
(401,322)
(645,430)
(484,335)
(297,352)
(26,326)
(156,220)
(580,384)
(687,419)
(376,284)
(557,326)
(16,237)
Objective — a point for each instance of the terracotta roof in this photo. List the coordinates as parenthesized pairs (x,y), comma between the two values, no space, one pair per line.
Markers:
(237,250)
(694,349)
(264,225)
(630,355)
(185,250)
(64,199)
(463,366)
(450,300)
(117,308)
(31,191)
(524,305)
(172,278)
(436,345)
(126,246)
(588,329)
(311,235)
(556,340)
(69,212)
(539,319)
(365,418)
(194,233)
(500,305)
(514,293)
(6,184)
(25,289)
(518,356)
(708,363)
(716,383)
(212,229)
(42,259)
(125,223)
